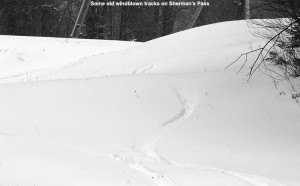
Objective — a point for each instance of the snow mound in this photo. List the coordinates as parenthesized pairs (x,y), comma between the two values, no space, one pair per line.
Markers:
(206,48)
(167,114)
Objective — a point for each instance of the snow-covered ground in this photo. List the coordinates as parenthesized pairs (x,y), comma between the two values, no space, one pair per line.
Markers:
(163,113)
(22,58)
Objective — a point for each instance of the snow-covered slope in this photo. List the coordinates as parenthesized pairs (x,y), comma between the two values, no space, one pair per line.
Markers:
(167,115)
(210,47)
(22,58)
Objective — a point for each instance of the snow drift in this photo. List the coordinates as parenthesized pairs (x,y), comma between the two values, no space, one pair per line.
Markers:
(164,112)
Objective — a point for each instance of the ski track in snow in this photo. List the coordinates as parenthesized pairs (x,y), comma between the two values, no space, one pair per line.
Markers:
(7,134)
(144,70)
(146,160)
(253,179)
(187,110)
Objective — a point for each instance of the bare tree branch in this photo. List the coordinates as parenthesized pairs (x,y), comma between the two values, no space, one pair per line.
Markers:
(256,64)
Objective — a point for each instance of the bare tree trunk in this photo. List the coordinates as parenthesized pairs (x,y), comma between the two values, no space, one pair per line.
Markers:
(158,17)
(108,22)
(247,9)
(168,19)
(77,20)
(116,22)
(81,18)
(60,21)
(81,24)
(124,22)
(194,17)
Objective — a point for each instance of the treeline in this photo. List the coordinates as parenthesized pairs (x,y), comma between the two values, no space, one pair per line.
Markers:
(56,18)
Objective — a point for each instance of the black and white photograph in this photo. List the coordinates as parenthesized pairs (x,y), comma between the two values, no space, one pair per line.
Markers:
(149,92)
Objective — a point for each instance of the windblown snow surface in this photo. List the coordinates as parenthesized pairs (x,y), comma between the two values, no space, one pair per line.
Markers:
(160,113)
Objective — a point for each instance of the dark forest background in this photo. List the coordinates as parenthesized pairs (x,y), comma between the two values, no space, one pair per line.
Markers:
(56,18)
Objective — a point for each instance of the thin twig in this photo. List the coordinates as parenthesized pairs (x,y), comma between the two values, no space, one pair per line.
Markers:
(246,53)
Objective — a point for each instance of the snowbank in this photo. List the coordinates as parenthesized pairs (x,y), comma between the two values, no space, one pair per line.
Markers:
(166,113)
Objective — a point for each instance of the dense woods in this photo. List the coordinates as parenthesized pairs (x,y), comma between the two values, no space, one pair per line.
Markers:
(56,18)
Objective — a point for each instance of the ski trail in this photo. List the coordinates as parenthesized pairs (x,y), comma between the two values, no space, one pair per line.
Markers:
(146,160)
(253,179)
(188,106)
(7,134)
(148,148)
(144,70)
(157,178)
(152,169)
